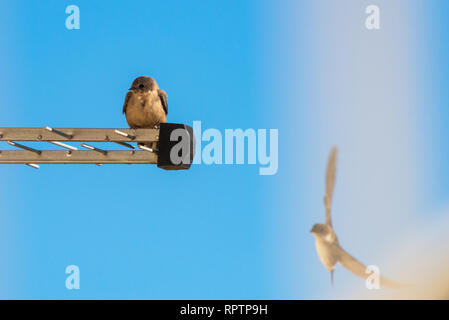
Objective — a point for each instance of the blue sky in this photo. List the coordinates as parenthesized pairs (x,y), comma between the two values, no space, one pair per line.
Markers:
(134,231)
(219,232)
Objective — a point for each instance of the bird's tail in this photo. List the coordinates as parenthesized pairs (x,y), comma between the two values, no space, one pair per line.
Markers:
(332,278)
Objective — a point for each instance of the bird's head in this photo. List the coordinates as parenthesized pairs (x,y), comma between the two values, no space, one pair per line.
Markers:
(321,230)
(143,84)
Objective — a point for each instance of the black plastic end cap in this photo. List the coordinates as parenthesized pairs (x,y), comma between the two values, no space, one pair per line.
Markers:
(176,146)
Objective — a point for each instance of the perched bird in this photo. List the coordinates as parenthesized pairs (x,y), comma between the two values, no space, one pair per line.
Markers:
(145,104)
(327,246)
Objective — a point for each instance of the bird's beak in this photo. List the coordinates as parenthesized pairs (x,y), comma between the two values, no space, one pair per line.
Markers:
(132,88)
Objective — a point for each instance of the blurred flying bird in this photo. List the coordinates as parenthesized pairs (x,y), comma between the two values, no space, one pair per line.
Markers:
(329,250)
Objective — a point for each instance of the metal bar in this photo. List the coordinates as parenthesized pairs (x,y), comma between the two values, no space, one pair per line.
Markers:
(64,145)
(94,148)
(125,144)
(18,145)
(62,134)
(79,134)
(125,134)
(77,157)
(147,148)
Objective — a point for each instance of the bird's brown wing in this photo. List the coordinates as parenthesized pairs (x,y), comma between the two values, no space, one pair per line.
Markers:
(330,182)
(350,263)
(359,269)
(163,97)
(125,105)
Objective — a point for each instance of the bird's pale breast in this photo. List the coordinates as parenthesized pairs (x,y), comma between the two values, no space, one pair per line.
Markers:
(145,110)
(327,253)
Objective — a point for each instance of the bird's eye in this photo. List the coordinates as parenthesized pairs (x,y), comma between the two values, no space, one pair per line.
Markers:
(141,86)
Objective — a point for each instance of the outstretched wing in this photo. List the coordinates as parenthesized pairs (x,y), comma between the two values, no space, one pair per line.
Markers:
(359,269)
(330,182)
(163,97)
(125,105)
